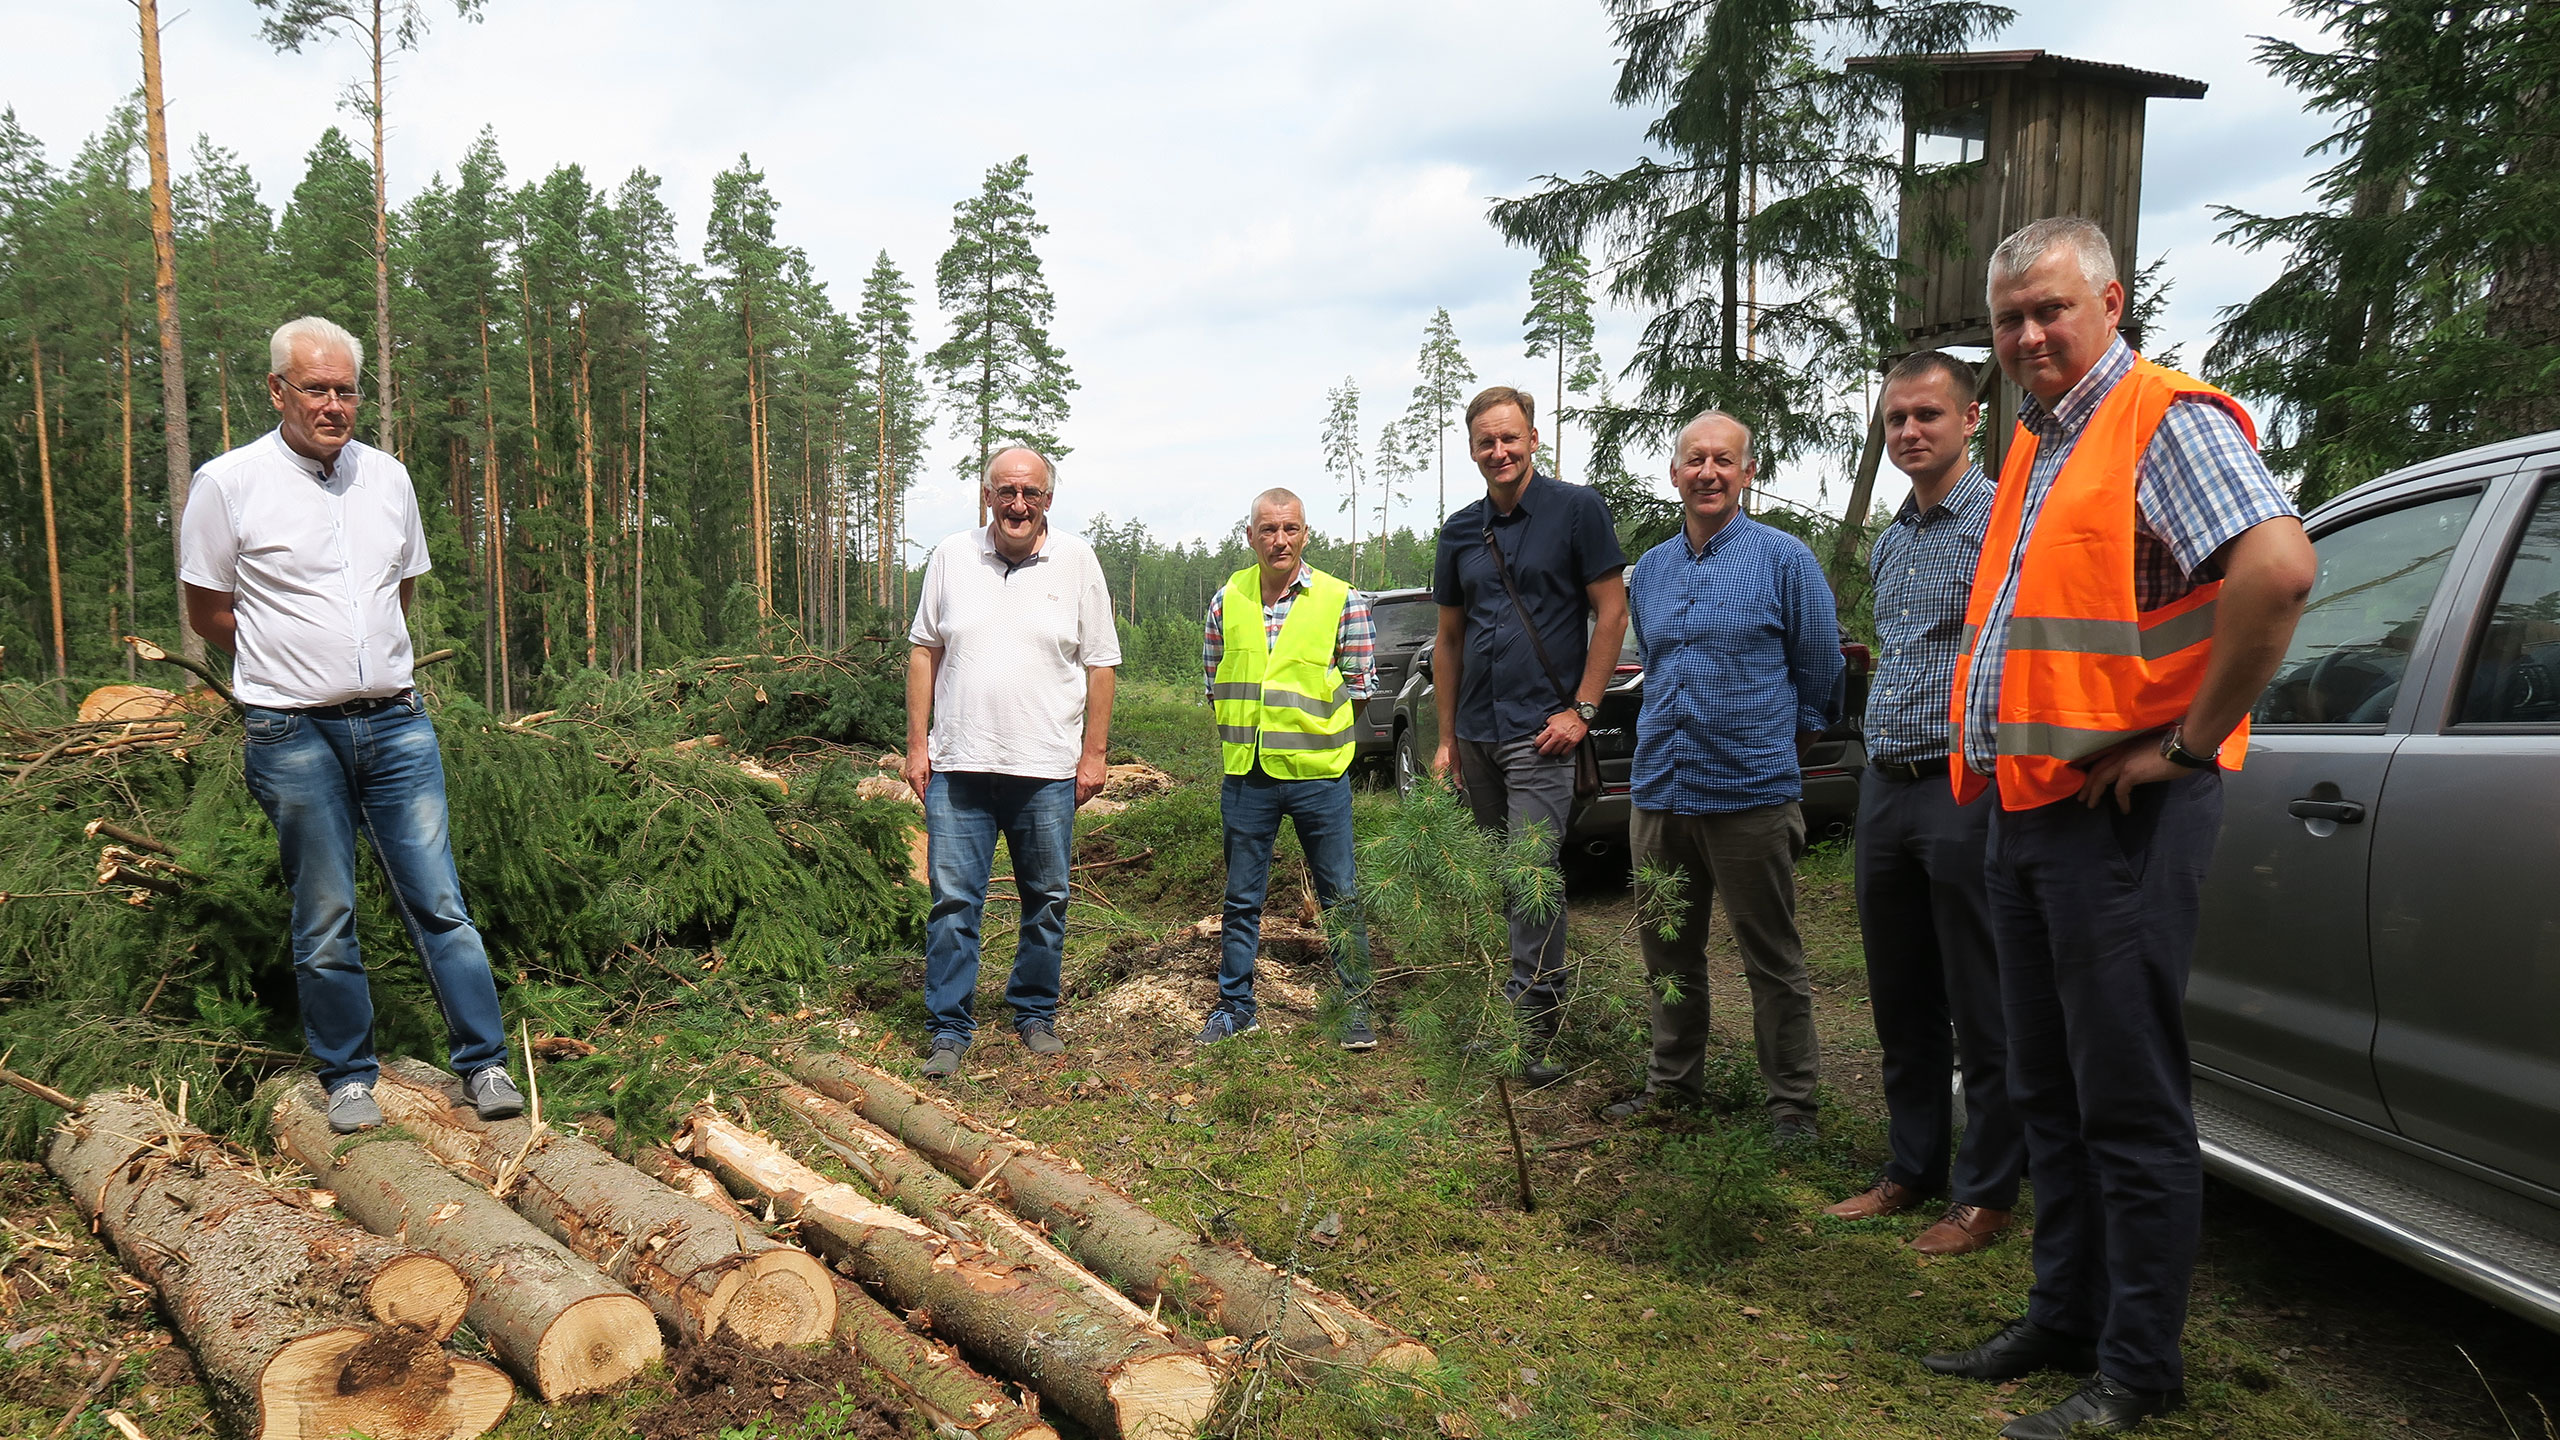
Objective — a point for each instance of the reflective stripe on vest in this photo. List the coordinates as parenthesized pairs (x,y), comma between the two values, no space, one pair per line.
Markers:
(1283,701)
(2084,669)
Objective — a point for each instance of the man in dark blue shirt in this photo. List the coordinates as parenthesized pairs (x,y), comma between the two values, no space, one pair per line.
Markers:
(1933,978)
(1512,703)
(1741,651)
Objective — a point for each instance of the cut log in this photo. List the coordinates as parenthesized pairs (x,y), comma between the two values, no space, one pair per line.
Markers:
(561,1326)
(302,1324)
(1124,1380)
(702,1272)
(942,1386)
(1224,1284)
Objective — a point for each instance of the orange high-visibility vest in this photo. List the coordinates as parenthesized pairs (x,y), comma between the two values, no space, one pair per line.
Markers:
(2086,670)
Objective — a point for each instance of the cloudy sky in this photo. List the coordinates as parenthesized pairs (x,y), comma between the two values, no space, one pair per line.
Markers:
(1246,203)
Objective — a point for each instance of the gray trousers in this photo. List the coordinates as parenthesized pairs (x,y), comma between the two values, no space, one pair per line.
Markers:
(1749,857)
(1509,788)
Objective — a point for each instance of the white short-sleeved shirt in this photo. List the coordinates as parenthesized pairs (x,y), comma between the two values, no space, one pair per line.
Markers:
(313,564)
(1016,642)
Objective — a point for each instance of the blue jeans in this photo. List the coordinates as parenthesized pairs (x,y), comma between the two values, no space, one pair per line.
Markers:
(1321,810)
(321,777)
(963,814)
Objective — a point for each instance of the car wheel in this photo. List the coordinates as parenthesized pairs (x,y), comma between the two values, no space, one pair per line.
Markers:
(1409,763)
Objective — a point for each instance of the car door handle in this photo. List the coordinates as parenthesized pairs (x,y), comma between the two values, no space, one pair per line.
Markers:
(2344,812)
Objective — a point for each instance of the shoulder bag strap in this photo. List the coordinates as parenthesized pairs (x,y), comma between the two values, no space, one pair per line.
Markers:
(1537,646)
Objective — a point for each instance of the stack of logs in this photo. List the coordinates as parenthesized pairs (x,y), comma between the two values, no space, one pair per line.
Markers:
(323,1311)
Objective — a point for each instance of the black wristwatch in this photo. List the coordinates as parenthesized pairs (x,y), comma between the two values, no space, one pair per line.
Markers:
(1588,711)
(2173,749)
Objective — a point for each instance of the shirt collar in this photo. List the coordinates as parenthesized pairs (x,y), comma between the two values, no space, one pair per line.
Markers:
(2062,421)
(987,545)
(1971,490)
(1527,501)
(1720,539)
(1297,582)
(343,469)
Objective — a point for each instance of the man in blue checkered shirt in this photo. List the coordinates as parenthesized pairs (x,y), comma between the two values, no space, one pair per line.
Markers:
(1933,979)
(2103,834)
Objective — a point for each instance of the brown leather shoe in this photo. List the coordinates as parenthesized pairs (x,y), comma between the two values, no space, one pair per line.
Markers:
(1963,1230)
(1885,1197)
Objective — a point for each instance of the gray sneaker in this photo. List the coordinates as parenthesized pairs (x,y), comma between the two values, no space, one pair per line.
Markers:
(493,1095)
(1356,1034)
(945,1063)
(1040,1038)
(351,1108)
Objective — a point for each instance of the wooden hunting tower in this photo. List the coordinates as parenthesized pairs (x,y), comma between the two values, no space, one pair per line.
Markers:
(2048,136)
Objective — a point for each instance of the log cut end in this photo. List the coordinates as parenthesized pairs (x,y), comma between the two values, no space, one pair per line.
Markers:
(598,1344)
(420,1290)
(785,1297)
(1163,1397)
(1403,1356)
(393,1384)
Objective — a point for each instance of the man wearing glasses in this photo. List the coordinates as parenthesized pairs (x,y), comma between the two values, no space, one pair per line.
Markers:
(1009,683)
(299,553)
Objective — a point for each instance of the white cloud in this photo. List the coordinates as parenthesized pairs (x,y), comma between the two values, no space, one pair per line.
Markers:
(1246,203)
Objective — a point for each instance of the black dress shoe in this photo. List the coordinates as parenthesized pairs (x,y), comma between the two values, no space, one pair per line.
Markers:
(2101,1407)
(1537,1072)
(2021,1348)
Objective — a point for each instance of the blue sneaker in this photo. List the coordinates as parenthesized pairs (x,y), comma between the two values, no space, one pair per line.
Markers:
(1225,1024)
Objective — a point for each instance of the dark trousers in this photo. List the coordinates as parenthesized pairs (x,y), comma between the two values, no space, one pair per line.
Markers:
(2094,912)
(1514,791)
(1749,857)
(1933,984)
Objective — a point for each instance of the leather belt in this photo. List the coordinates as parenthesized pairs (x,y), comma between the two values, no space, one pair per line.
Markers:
(1910,769)
(367,706)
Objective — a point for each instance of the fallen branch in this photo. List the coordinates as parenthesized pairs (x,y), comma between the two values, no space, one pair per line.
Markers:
(113,831)
(38,1089)
(96,1387)
(197,668)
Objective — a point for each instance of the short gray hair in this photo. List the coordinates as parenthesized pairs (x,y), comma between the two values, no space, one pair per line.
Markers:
(1277,495)
(317,331)
(1701,418)
(1047,465)
(2034,240)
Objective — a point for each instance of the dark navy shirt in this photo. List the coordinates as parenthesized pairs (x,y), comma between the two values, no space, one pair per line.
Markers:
(1741,652)
(1556,541)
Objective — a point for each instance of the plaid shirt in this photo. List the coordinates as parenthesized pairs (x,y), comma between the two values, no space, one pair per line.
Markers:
(1355,641)
(2200,484)
(1923,566)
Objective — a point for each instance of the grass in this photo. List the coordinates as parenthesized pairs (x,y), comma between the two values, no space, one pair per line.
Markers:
(1671,1281)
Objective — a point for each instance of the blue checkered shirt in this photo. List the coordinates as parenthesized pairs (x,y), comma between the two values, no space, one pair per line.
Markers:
(2200,484)
(1355,640)
(1923,567)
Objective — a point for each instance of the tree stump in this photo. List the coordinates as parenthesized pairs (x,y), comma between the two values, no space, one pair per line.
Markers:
(552,1318)
(301,1324)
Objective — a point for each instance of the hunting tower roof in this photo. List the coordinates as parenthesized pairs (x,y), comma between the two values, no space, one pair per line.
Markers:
(2044,64)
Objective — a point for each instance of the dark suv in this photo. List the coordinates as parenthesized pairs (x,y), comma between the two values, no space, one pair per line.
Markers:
(1831,770)
(2374,1011)
(1407,619)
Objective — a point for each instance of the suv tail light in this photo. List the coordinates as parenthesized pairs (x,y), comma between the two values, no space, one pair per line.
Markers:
(1859,657)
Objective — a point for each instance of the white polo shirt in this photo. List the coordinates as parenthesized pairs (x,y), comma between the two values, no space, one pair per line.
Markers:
(1016,643)
(313,564)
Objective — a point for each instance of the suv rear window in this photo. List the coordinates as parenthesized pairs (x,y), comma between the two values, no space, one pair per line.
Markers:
(1403,624)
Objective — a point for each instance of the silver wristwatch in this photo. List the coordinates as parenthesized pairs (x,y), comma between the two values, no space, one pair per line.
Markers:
(1588,711)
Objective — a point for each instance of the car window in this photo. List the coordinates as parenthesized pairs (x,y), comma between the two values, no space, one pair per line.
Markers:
(2515,671)
(2351,650)
(1406,623)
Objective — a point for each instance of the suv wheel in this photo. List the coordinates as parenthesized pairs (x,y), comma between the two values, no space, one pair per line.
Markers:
(1410,766)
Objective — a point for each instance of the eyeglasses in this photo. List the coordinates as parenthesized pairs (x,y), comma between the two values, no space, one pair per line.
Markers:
(348,393)
(1022,493)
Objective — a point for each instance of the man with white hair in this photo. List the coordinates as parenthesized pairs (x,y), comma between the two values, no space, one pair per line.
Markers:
(2139,578)
(1009,682)
(1284,711)
(299,552)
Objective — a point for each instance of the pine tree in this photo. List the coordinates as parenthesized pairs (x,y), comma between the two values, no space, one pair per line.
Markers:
(1559,320)
(900,416)
(1437,395)
(1342,459)
(1749,107)
(177,448)
(658,280)
(323,240)
(1007,381)
(226,237)
(1395,461)
(740,246)
(385,28)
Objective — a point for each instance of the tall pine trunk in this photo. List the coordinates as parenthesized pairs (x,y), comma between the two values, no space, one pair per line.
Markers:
(640,529)
(124,359)
(381,256)
(887,482)
(52,541)
(587,475)
(493,538)
(164,292)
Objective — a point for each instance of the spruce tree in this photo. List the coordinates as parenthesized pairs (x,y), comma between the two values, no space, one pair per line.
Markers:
(323,240)
(1006,380)
(1559,320)
(1437,395)
(885,330)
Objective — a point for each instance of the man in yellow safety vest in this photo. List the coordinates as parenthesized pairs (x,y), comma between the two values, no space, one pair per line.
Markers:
(1284,708)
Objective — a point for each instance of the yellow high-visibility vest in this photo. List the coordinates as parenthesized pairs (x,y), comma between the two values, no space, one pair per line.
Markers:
(1284,702)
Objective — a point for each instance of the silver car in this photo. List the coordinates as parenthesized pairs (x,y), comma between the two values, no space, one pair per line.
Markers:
(2375,1005)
